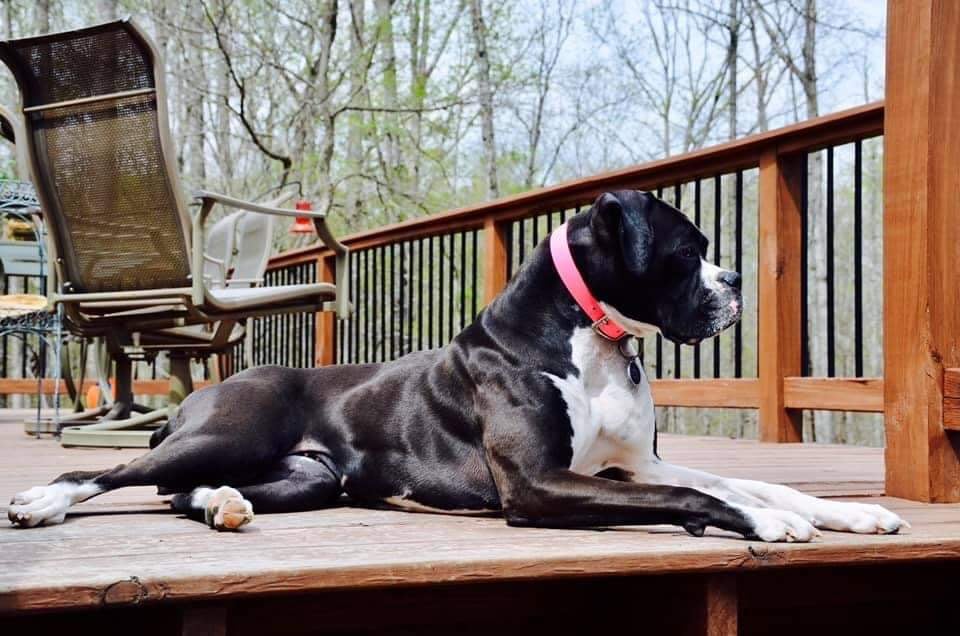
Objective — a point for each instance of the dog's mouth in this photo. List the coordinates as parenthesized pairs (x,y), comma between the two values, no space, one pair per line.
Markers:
(719,316)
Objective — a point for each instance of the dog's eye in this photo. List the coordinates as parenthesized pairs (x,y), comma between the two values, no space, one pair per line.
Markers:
(688,251)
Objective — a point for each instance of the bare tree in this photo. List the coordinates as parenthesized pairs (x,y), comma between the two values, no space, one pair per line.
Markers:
(485,90)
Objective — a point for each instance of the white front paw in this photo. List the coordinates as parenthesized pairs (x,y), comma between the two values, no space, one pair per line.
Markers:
(865,519)
(774,525)
(41,505)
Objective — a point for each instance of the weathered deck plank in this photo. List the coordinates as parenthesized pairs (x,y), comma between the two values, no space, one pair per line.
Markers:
(146,554)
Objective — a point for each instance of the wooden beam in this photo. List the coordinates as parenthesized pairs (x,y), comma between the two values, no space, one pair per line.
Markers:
(326,321)
(495,274)
(28,386)
(778,274)
(951,383)
(921,307)
(740,393)
(951,399)
(834,394)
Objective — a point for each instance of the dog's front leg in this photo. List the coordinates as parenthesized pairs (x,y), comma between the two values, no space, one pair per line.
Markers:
(562,499)
(822,513)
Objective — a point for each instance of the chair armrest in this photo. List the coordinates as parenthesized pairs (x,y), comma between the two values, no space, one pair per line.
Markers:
(221,265)
(209,199)
(319,218)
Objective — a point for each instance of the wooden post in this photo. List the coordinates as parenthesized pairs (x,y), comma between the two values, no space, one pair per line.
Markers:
(778,271)
(720,606)
(204,620)
(921,235)
(326,324)
(495,272)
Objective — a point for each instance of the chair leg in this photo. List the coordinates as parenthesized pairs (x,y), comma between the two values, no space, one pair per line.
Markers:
(123,404)
(181,382)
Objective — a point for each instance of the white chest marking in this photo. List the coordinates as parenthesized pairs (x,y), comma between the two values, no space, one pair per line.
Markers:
(612,419)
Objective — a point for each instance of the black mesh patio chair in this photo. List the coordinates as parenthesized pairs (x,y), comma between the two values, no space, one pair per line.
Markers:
(129,259)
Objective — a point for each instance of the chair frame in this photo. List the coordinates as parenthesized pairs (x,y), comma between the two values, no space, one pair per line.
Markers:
(189,305)
(120,316)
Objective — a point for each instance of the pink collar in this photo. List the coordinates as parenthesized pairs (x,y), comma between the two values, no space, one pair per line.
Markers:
(573,281)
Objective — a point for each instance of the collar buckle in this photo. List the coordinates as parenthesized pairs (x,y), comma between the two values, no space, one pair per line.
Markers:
(599,326)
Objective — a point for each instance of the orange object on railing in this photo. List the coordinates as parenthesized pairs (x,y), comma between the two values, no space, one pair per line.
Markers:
(303,225)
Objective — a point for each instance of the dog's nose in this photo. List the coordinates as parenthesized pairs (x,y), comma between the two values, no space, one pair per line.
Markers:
(731,278)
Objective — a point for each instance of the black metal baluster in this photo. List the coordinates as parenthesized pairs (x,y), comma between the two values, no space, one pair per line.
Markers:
(858,258)
(717,229)
(430,334)
(451,291)
(476,282)
(341,330)
(393,303)
(831,368)
(382,280)
(696,220)
(367,297)
(420,295)
(738,267)
(523,243)
(659,343)
(677,356)
(371,300)
(403,287)
(410,277)
(509,238)
(463,280)
(441,262)
(355,317)
(804,247)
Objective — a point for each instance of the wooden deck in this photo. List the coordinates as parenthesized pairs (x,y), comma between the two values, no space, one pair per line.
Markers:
(125,549)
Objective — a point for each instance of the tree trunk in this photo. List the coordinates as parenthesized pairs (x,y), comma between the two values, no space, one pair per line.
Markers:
(486,98)
(356,122)
(42,16)
(391,128)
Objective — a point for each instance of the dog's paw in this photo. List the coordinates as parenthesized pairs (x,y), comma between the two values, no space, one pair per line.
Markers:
(772,525)
(39,506)
(864,519)
(226,509)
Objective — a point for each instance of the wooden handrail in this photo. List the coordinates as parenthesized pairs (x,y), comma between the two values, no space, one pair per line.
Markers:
(814,134)
(778,392)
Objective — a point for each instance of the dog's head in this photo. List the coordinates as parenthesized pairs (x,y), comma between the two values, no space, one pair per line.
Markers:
(645,261)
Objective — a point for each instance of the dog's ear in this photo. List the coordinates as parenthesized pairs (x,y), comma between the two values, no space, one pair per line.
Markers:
(622,220)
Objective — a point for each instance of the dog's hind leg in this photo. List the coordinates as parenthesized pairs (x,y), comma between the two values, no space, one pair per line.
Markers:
(180,463)
(295,484)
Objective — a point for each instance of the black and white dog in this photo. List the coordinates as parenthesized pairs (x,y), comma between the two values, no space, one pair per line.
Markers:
(528,412)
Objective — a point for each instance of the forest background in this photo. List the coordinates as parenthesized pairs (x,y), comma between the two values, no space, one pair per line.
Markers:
(383,110)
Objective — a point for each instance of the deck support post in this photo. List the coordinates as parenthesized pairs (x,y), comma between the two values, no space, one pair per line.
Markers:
(921,258)
(778,272)
(326,321)
(720,605)
(495,274)
(204,620)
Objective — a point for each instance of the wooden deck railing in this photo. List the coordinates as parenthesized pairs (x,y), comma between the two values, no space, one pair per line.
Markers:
(479,246)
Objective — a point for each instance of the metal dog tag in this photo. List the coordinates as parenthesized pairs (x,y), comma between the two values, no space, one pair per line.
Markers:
(634,372)
(629,347)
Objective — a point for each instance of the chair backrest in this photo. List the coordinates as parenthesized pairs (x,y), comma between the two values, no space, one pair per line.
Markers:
(253,243)
(220,243)
(97,136)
